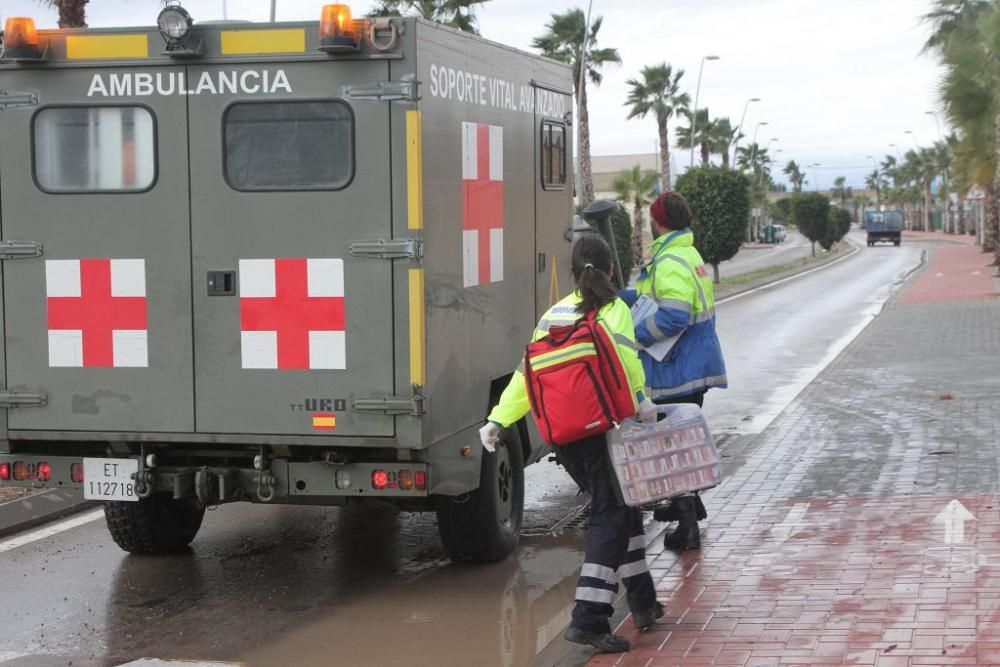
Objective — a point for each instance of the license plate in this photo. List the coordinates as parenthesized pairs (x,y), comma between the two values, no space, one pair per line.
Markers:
(109,479)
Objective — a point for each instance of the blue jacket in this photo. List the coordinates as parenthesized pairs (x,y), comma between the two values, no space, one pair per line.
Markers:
(678,280)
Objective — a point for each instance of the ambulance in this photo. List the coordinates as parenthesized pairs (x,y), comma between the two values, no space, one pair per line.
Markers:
(283,263)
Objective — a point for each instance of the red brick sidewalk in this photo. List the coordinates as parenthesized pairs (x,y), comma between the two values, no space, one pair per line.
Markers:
(955,273)
(866,581)
(964,239)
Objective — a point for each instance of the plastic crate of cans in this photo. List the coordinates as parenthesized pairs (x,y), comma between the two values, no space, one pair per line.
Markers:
(664,459)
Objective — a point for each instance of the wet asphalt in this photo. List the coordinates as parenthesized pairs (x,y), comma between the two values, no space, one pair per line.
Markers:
(369,586)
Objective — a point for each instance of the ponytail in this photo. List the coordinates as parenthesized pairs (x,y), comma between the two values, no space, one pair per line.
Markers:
(591,270)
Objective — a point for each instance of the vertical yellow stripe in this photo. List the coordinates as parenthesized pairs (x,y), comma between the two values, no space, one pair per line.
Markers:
(417,326)
(414,172)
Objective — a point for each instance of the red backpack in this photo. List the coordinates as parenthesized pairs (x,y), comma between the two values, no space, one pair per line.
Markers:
(576,382)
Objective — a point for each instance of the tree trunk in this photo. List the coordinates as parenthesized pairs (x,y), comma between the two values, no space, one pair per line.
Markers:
(990,219)
(715,274)
(636,236)
(72,13)
(994,214)
(705,155)
(928,219)
(586,173)
(664,156)
(725,158)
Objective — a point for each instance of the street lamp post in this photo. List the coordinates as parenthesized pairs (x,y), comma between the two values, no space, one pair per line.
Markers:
(753,151)
(694,114)
(815,179)
(937,123)
(913,135)
(736,142)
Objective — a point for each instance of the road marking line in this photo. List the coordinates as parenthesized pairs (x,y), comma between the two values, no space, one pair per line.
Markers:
(156,662)
(50,530)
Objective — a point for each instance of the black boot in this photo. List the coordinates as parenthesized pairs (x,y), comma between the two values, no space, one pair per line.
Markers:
(602,641)
(646,618)
(686,536)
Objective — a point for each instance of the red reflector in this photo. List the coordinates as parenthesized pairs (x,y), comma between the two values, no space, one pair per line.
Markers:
(4,471)
(420,479)
(380,479)
(44,471)
(76,472)
(406,480)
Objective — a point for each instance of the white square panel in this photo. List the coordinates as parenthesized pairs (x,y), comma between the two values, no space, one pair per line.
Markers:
(326,277)
(327,349)
(128,277)
(66,348)
(259,349)
(130,348)
(62,277)
(470,257)
(257,278)
(496,255)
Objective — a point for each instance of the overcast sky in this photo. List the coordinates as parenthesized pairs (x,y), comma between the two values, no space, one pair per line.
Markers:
(838,80)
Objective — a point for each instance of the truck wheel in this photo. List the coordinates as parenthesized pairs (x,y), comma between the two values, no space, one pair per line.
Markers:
(484,525)
(155,525)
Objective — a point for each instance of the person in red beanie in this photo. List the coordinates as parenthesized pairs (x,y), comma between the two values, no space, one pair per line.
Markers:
(678,280)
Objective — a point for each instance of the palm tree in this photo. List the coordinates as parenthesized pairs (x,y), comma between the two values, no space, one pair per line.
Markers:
(565,40)
(635,187)
(659,93)
(72,13)
(723,136)
(795,175)
(458,14)
(841,191)
(873,181)
(704,134)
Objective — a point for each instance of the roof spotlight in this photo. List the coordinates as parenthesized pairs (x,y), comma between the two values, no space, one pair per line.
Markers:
(174,23)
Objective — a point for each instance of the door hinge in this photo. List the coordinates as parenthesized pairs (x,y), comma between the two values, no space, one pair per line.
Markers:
(20,249)
(387,249)
(404,90)
(13,99)
(390,405)
(19,399)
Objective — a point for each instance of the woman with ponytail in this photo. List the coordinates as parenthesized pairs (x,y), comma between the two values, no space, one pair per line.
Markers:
(616,544)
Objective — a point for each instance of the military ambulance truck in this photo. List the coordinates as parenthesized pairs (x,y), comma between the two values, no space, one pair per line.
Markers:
(278,263)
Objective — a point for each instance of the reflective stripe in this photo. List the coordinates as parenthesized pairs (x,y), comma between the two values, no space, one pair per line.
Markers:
(705,316)
(588,594)
(654,331)
(637,542)
(682,262)
(545,324)
(676,304)
(602,572)
(689,387)
(566,354)
(634,568)
(622,339)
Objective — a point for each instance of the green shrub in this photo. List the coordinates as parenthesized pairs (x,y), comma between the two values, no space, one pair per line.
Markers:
(720,202)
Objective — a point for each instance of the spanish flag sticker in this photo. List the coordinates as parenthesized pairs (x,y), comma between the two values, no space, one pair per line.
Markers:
(324,421)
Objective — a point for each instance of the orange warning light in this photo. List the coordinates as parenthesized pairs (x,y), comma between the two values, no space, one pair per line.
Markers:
(20,38)
(336,29)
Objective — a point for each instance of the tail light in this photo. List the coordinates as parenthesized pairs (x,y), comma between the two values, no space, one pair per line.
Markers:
(4,471)
(406,480)
(76,473)
(44,471)
(380,479)
(420,480)
(21,472)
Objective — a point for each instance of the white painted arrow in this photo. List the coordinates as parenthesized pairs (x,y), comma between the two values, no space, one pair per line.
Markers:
(953,516)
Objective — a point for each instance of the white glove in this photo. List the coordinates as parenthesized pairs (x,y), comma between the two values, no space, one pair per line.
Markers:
(489,435)
(648,411)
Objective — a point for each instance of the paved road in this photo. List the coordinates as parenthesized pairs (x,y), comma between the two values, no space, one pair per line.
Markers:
(313,586)
(754,258)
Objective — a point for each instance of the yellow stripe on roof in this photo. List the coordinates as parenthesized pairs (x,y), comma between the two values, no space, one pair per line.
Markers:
(103,47)
(244,42)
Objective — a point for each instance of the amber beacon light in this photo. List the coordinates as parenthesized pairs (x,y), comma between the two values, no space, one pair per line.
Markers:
(20,39)
(336,29)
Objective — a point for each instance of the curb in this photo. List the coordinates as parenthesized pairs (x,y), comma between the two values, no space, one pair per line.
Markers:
(36,509)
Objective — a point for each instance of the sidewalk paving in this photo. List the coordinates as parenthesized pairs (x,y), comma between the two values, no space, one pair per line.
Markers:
(838,540)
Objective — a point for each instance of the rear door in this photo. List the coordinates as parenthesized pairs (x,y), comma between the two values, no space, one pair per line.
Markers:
(553,195)
(100,322)
(285,174)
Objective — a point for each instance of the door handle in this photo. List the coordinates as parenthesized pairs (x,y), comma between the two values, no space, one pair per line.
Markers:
(221,283)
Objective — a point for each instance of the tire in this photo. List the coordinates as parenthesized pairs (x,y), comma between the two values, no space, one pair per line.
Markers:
(896,243)
(484,525)
(155,525)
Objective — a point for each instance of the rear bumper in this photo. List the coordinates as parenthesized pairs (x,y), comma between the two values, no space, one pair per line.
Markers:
(284,481)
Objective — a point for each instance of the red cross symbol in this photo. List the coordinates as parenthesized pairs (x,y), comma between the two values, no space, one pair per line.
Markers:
(291,313)
(482,203)
(96,313)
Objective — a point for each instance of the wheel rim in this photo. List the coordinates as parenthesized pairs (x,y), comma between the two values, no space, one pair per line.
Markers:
(505,487)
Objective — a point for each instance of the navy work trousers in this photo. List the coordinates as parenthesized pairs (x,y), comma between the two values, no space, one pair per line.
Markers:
(616,545)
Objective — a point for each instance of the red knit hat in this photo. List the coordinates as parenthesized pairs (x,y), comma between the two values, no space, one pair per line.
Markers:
(658,210)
